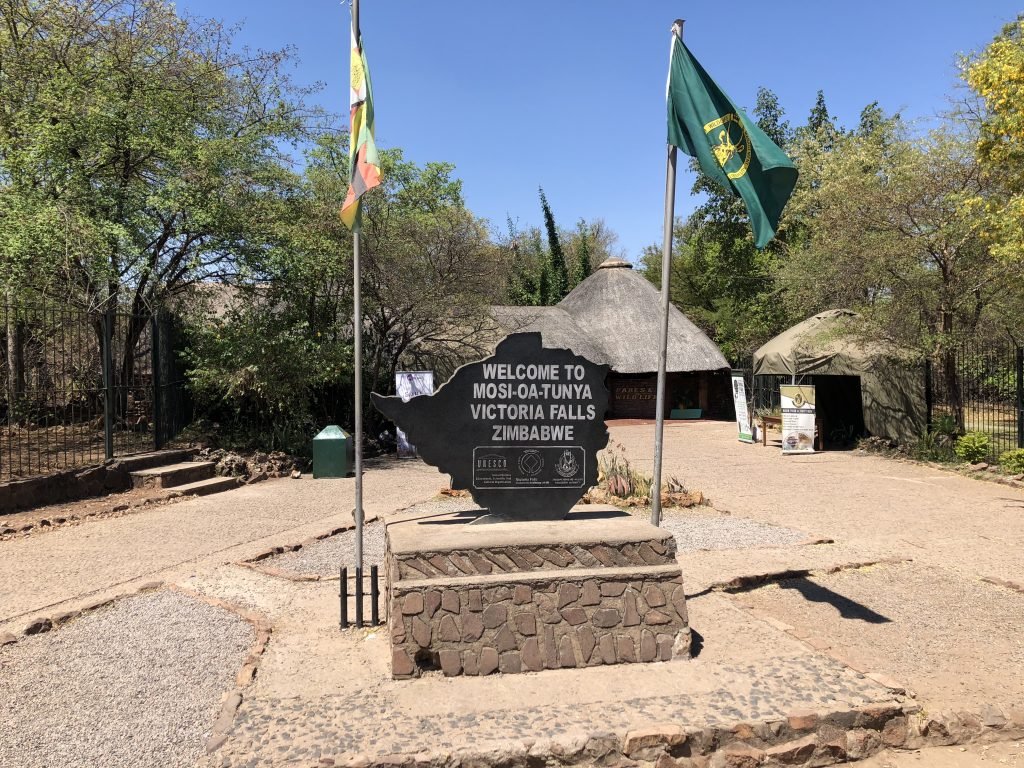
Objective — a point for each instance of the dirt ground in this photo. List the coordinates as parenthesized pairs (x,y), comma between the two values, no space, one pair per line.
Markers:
(900,571)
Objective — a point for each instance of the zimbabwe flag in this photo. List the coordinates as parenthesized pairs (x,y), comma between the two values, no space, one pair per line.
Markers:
(364,164)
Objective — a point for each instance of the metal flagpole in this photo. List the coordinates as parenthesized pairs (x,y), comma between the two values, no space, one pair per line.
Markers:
(357,331)
(666,271)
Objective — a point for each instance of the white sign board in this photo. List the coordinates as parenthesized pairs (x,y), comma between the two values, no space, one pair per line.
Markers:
(798,411)
(410,384)
(739,399)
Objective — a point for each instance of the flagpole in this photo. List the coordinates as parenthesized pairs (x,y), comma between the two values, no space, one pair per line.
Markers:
(357,331)
(666,272)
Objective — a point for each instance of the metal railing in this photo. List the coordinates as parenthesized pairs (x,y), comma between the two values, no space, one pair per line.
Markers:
(78,387)
(977,387)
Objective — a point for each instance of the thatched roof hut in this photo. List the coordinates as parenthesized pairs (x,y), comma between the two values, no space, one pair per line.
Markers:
(614,317)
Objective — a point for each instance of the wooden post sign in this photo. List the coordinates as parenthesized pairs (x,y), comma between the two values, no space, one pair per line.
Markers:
(520,429)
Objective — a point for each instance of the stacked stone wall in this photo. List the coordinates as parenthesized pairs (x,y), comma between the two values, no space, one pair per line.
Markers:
(528,608)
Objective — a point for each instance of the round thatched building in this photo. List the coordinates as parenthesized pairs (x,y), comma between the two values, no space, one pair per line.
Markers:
(614,317)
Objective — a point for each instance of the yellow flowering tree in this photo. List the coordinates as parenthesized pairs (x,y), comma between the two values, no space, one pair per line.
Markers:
(997,76)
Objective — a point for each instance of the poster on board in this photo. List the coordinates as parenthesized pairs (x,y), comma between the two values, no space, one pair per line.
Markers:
(798,411)
(739,399)
(410,384)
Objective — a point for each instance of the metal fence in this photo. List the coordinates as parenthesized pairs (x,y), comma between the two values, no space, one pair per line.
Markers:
(77,388)
(978,388)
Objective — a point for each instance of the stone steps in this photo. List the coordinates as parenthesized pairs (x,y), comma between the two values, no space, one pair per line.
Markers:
(173,475)
(204,487)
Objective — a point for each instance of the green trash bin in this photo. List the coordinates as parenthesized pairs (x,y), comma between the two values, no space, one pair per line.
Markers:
(333,453)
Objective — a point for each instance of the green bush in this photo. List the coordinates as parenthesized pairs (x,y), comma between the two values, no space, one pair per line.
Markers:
(1012,461)
(972,447)
(933,447)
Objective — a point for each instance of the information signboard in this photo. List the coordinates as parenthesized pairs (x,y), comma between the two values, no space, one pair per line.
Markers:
(739,399)
(798,411)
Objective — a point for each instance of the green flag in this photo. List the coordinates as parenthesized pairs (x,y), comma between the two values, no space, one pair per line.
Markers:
(731,149)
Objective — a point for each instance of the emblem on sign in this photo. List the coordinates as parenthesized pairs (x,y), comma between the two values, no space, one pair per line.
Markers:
(567,465)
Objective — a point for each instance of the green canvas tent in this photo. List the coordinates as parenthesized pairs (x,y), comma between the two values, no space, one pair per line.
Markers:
(891,385)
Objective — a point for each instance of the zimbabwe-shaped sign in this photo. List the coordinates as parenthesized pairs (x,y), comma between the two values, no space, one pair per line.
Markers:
(520,430)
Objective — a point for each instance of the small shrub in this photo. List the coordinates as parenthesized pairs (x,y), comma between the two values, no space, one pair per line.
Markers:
(972,447)
(1012,462)
(618,477)
(944,425)
(933,447)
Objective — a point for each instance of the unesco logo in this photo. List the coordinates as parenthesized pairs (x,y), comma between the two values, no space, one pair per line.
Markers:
(491,461)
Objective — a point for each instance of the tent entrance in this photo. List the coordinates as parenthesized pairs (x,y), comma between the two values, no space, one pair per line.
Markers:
(840,409)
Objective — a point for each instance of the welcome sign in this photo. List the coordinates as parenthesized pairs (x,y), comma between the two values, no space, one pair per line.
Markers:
(519,430)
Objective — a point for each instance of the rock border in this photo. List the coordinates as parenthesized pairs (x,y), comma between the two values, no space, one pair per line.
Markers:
(61,520)
(232,700)
(802,738)
(254,563)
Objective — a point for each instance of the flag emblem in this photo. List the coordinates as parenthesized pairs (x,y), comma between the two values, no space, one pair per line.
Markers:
(729,142)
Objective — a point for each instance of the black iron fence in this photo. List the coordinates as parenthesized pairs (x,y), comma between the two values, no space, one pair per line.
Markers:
(764,391)
(78,387)
(978,388)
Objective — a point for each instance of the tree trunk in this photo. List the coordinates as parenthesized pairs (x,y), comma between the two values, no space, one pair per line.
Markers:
(950,374)
(15,364)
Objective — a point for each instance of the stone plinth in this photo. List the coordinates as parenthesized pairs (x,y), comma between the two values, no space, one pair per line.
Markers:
(597,588)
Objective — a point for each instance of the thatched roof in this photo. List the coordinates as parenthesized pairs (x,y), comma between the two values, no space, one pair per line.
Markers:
(614,317)
(557,329)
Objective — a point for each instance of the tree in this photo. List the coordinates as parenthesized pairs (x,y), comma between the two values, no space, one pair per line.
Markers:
(281,358)
(140,153)
(997,76)
(897,234)
(557,277)
(581,266)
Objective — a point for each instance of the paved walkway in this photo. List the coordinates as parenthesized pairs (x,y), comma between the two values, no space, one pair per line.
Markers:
(885,506)
(44,570)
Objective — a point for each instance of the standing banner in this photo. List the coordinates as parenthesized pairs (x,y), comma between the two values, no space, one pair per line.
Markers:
(410,384)
(739,399)
(798,411)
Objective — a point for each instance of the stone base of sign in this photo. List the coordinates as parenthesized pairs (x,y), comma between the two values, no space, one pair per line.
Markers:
(599,587)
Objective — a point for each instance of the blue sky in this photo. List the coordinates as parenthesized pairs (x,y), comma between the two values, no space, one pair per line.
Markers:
(569,95)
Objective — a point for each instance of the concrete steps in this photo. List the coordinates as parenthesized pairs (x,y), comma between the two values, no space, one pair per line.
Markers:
(173,475)
(204,487)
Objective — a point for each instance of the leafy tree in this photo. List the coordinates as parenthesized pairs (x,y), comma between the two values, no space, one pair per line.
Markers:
(897,235)
(997,76)
(581,248)
(140,153)
(821,125)
(557,272)
(281,357)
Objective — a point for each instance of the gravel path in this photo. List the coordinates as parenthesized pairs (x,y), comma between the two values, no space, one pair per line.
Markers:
(697,531)
(136,684)
(326,556)
(693,531)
